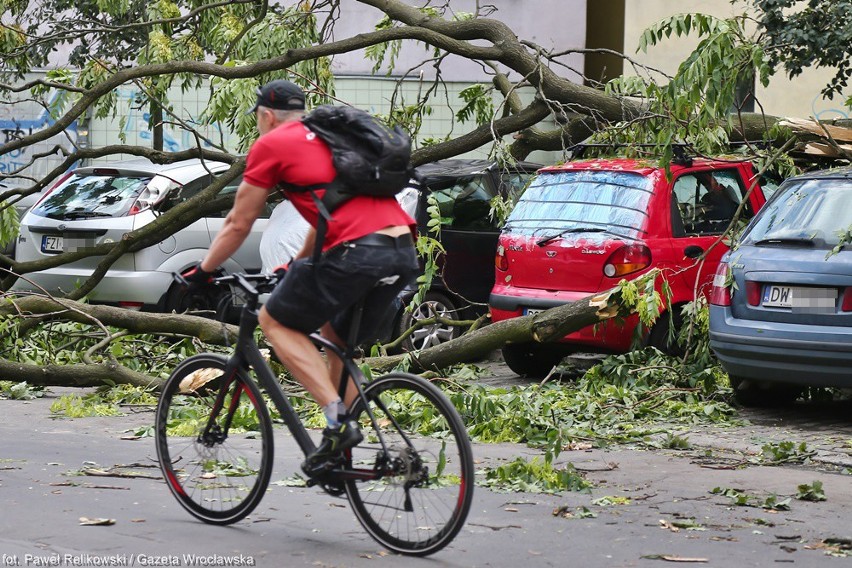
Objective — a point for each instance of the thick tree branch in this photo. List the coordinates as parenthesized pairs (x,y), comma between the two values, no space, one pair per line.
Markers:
(205,329)
(550,325)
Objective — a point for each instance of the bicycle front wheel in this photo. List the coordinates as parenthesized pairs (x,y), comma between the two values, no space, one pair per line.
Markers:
(423,494)
(214,440)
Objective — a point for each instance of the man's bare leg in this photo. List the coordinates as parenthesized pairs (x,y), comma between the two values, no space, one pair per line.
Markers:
(301,358)
(335,365)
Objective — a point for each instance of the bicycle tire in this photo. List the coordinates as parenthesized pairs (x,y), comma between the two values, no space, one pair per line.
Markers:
(221,477)
(425,517)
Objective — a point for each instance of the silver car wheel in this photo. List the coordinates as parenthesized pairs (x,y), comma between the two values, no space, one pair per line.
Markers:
(432,334)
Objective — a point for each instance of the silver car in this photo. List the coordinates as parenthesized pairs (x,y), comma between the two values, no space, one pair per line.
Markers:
(99,204)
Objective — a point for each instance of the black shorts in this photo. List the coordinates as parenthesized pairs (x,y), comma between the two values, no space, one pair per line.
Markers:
(377,267)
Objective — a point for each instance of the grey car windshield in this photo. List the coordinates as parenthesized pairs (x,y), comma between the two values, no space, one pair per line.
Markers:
(85,196)
(817,210)
(614,203)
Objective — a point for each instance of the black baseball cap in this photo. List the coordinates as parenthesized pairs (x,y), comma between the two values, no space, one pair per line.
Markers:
(280,95)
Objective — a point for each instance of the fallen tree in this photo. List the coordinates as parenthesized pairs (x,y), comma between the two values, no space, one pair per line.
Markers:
(100,368)
(275,41)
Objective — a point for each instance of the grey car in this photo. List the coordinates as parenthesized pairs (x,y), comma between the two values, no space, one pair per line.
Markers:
(99,204)
(781,305)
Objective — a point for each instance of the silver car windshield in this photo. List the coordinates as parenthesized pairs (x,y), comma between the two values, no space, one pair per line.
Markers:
(89,196)
(614,203)
(817,210)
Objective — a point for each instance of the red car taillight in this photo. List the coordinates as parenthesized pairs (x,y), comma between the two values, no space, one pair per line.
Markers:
(500,261)
(846,306)
(753,293)
(626,260)
(721,294)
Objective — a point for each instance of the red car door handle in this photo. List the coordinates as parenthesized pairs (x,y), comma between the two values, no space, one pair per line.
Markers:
(693,251)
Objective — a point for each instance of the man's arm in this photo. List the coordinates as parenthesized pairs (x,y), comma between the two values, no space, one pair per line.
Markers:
(248,205)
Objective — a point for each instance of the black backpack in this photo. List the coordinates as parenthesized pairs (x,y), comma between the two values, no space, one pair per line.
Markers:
(370,158)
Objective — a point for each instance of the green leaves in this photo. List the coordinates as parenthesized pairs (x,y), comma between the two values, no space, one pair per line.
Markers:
(535,476)
(681,25)
(803,35)
(786,452)
(697,103)
(812,492)
(478,104)
(429,249)
(19,391)
(845,239)
(741,499)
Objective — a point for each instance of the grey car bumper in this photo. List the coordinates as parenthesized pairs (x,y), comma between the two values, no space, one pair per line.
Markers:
(801,354)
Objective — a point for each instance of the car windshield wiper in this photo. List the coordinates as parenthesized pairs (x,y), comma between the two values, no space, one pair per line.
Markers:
(785,241)
(550,238)
(80,215)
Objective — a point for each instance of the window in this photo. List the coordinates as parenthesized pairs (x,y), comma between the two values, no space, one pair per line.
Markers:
(583,201)
(184,192)
(514,183)
(465,205)
(769,184)
(810,210)
(88,196)
(704,203)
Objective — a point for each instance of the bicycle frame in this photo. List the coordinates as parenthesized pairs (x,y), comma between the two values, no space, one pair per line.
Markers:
(395,481)
(247,356)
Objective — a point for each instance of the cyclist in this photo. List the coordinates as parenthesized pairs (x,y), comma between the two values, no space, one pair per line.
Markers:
(368,252)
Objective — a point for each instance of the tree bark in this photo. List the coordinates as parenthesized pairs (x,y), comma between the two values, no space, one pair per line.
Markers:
(547,326)
(205,329)
(550,325)
(75,375)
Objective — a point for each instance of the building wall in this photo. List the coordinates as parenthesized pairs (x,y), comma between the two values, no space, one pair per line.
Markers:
(553,24)
(368,93)
(799,97)
(23,119)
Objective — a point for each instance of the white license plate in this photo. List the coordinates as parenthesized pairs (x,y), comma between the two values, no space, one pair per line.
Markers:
(52,243)
(798,298)
(531,311)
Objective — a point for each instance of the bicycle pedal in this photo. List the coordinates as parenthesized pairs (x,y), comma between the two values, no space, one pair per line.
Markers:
(335,488)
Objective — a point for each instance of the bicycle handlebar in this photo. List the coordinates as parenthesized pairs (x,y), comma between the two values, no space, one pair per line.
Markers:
(240,280)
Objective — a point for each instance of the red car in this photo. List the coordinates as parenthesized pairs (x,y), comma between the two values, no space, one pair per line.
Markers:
(582,226)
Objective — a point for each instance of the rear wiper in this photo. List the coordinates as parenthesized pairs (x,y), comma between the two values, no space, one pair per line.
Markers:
(80,215)
(785,241)
(546,240)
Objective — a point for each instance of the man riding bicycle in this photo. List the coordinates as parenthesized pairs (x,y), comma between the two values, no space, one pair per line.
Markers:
(368,252)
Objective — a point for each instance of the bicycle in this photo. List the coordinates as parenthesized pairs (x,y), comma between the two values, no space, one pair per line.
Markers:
(410,482)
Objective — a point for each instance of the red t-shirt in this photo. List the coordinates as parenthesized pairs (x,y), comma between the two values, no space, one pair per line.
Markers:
(293,154)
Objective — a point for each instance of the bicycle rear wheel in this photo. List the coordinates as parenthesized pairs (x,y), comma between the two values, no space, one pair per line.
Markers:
(422,499)
(214,444)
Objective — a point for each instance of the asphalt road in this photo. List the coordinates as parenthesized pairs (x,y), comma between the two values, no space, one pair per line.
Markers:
(669,515)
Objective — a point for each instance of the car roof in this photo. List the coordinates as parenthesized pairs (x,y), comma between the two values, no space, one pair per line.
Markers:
(181,172)
(456,167)
(833,173)
(636,165)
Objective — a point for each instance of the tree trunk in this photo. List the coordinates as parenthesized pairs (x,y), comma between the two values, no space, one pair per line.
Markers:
(157,126)
(547,326)
(550,325)
(205,329)
(75,375)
